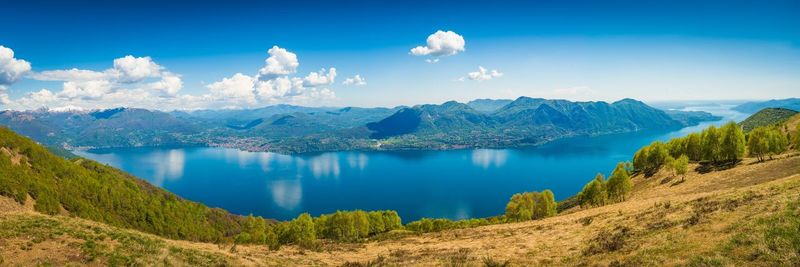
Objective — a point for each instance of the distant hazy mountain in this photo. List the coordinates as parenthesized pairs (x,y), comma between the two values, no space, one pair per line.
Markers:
(285,128)
(766,117)
(120,127)
(753,107)
(488,105)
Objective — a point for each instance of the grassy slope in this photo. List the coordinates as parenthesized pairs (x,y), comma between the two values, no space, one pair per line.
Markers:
(723,217)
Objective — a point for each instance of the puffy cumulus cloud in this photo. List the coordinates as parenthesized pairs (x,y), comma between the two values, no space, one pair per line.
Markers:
(320,78)
(141,82)
(11,69)
(280,62)
(130,69)
(281,87)
(356,80)
(237,88)
(127,69)
(273,84)
(85,89)
(169,85)
(131,81)
(440,44)
(482,74)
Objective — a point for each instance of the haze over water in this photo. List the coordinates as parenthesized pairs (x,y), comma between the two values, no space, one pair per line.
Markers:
(454,184)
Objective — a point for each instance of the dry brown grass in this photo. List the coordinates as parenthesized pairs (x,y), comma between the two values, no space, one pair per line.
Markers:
(662,223)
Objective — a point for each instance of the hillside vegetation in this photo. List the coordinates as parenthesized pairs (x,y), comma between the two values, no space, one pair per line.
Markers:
(767,117)
(87,189)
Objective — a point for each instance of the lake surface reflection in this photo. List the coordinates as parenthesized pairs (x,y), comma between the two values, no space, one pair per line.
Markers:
(450,184)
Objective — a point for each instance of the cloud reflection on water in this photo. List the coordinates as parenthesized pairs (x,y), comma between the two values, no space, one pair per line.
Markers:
(486,158)
(357,160)
(286,193)
(168,165)
(325,165)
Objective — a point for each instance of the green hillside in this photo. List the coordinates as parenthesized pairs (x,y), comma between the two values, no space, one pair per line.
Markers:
(767,117)
(90,190)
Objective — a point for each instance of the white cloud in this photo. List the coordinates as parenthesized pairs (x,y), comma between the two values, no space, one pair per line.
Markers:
(85,89)
(482,74)
(320,78)
(273,90)
(131,69)
(169,84)
(141,82)
(356,80)
(440,44)
(280,62)
(127,69)
(69,75)
(4,96)
(237,88)
(11,69)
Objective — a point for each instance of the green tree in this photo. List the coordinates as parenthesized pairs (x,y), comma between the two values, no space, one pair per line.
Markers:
(255,227)
(656,157)
(676,147)
(797,137)
(758,143)
(303,230)
(619,184)
(681,165)
(711,144)
(391,220)
(777,142)
(694,148)
(520,207)
(732,145)
(640,159)
(271,238)
(376,222)
(361,223)
(594,193)
(550,203)
(766,141)
(530,206)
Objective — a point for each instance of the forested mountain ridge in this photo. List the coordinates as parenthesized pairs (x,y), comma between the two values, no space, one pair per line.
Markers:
(524,121)
(767,117)
(285,128)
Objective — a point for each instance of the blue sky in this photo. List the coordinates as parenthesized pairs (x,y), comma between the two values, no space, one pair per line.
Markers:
(182,52)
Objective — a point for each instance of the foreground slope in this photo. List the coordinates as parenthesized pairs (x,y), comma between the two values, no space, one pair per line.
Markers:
(29,173)
(749,214)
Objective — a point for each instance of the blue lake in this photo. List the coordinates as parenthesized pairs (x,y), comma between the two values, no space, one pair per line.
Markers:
(452,184)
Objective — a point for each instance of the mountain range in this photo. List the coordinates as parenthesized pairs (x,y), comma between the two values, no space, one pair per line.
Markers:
(753,107)
(293,129)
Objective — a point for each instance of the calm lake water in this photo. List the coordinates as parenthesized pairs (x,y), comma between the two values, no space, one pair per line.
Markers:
(439,184)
